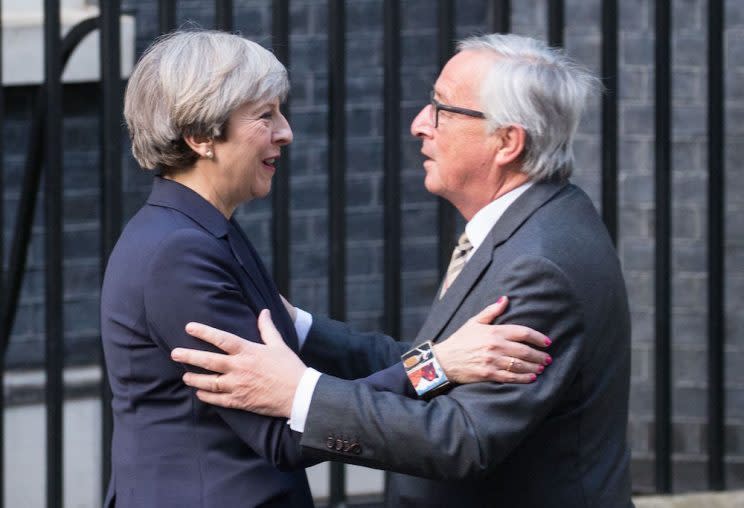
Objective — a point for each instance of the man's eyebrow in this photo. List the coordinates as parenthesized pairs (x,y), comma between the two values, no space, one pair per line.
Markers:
(441,95)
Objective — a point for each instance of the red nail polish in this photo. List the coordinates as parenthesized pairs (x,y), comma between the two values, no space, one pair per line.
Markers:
(548,361)
(533,377)
(501,299)
(540,369)
(548,341)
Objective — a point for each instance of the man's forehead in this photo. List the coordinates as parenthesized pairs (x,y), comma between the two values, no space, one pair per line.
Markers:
(462,74)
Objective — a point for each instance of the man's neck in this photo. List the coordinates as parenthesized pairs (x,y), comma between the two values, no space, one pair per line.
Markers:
(508,183)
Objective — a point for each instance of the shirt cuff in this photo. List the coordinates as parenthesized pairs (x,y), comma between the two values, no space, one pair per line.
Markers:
(303,322)
(301,402)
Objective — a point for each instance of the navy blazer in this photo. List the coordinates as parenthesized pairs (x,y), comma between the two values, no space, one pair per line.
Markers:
(179,260)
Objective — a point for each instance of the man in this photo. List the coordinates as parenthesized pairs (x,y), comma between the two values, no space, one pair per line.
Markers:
(497,138)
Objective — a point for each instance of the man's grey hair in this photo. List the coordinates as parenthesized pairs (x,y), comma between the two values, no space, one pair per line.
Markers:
(540,89)
(186,84)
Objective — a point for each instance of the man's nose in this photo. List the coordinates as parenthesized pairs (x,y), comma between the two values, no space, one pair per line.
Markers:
(421,125)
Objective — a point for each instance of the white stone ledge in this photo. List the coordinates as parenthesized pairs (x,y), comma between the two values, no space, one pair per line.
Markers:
(23,46)
(731,499)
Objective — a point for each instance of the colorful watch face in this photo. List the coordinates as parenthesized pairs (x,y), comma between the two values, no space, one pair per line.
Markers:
(423,370)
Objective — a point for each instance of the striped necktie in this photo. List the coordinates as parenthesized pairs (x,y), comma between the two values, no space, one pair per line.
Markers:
(459,257)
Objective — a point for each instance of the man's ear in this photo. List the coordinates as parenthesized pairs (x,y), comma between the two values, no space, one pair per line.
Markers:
(513,139)
(203,146)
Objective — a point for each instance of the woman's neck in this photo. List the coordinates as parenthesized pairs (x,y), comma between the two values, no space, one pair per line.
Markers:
(198,181)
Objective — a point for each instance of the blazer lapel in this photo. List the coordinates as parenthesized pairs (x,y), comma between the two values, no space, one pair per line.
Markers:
(253,267)
(442,310)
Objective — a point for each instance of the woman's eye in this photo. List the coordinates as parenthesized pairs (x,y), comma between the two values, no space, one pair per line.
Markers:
(267,115)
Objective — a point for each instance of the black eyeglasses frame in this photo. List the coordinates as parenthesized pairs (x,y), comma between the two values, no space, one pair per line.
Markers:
(438,106)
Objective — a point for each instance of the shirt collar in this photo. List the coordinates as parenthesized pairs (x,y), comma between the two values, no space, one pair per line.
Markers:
(171,194)
(483,221)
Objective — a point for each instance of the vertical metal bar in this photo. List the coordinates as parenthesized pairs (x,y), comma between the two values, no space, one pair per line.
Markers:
(53,253)
(499,14)
(391,179)
(555,23)
(281,193)
(166,15)
(337,192)
(609,115)
(663,241)
(716,258)
(3,284)
(111,199)
(30,189)
(223,15)
(391,182)
(445,211)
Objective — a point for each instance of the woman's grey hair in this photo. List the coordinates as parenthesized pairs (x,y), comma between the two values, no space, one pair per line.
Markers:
(186,84)
(542,90)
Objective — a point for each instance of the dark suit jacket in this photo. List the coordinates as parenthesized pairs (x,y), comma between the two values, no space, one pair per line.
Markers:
(180,260)
(559,442)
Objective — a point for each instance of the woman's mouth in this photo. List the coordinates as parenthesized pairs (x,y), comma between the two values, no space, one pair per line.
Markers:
(269,164)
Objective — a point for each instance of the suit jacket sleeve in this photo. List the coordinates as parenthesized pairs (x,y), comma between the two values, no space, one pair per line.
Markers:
(335,348)
(474,427)
(189,279)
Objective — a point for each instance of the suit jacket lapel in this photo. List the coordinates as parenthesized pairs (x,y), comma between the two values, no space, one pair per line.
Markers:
(170,194)
(253,267)
(441,311)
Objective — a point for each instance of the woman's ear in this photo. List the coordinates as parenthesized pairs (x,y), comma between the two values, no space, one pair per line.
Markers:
(512,140)
(203,146)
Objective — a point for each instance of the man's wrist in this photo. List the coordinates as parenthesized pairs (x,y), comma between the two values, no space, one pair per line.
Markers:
(302,323)
(302,397)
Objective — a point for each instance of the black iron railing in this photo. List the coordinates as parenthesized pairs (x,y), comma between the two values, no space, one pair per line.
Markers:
(45,150)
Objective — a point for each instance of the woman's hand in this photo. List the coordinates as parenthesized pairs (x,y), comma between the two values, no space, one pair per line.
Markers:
(480,351)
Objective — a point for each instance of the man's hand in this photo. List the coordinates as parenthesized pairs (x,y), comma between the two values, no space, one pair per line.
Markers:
(291,309)
(252,377)
(480,351)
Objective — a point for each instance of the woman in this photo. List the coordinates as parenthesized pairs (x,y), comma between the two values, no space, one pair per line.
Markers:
(202,108)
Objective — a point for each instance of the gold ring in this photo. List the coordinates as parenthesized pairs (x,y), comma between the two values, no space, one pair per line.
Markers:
(511,364)
(217,384)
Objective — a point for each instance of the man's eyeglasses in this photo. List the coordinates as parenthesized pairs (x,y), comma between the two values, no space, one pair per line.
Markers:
(437,106)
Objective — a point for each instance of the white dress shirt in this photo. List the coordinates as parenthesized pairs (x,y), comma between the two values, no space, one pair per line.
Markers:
(477,229)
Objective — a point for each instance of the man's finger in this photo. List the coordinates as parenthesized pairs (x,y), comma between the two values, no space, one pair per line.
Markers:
(205,382)
(214,362)
(490,313)
(217,399)
(227,342)
(269,334)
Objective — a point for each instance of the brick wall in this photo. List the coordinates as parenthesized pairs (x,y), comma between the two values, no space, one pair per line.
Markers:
(308,196)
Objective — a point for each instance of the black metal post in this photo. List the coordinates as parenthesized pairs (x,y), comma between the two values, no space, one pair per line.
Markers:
(609,115)
(663,252)
(445,211)
(30,188)
(716,258)
(391,183)
(337,193)
(555,23)
(111,199)
(391,179)
(3,294)
(53,254)
(281,192)
(499,14)
(223,15)
(166,15)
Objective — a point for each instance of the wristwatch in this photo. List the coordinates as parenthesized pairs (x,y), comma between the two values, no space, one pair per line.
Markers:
(424,371)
